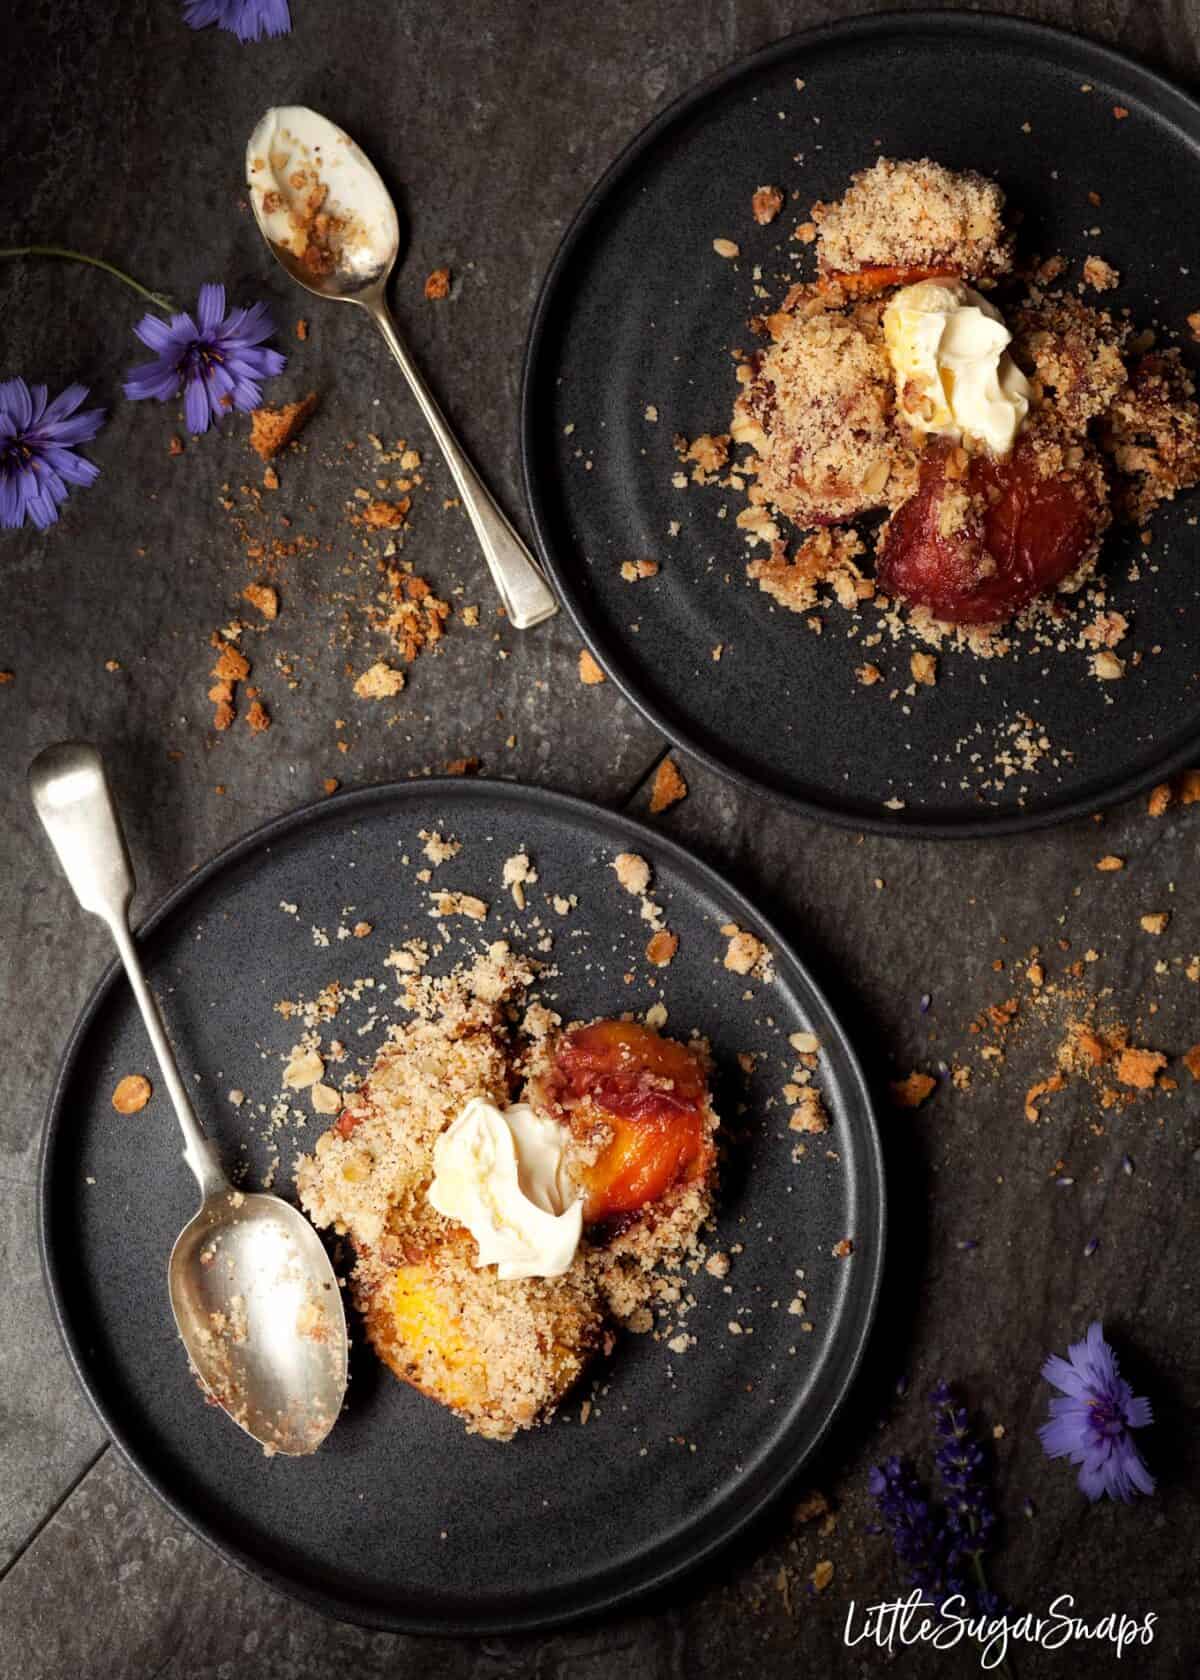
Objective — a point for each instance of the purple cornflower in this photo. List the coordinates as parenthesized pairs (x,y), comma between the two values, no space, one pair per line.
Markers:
(217,365)
(1091,1425)
(37,450)
(249,20)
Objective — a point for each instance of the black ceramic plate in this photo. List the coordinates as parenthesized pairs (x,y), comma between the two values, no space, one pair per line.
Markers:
(402,1520)
(639,311)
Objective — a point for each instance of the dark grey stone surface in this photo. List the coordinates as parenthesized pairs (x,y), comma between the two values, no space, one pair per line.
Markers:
(496,118)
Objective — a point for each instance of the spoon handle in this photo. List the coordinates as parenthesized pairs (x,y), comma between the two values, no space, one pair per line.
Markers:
(524,591)
(72,798)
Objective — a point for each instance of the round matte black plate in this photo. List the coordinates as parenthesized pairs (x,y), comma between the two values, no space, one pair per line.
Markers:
(402,1520)
(638,311)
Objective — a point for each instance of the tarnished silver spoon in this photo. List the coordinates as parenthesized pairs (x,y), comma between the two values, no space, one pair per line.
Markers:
(255,1298)
(330,221)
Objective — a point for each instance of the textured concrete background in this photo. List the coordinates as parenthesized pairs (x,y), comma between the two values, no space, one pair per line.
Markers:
(124,134)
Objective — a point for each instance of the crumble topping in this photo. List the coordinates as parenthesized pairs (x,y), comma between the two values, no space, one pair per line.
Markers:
(915,214)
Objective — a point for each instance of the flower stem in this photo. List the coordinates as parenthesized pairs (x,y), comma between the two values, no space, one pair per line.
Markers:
(156,298)
(1006,1667)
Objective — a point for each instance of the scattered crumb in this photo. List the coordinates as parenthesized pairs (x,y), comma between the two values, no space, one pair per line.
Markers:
(1139,1068)
(661,948)
(437,285)
(766,204)
(379,682)
(633,872)
(1156,922)
(1110,863)
(669,787)
(912,1092)
(1099,275)
(726,248)
(132,1094)
(263,598)
(272,429)
(589,672)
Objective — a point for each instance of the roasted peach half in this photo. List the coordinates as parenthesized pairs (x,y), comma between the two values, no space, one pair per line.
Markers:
(647,1096)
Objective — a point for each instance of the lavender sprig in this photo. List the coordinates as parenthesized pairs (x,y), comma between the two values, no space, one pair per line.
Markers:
(964,1469)
(919,1534)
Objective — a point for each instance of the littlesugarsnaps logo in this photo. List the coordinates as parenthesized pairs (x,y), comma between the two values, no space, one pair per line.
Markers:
(916,1621)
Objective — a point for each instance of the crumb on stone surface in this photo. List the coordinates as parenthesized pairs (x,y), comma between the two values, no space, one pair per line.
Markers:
(264,598)
(668,787)
(437,285)
(379,682)
(765,204)
(589,672)
(272,429)
(912,1091)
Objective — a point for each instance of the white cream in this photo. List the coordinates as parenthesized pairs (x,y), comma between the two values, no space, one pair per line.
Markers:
(502,1174)
(954,377)
(293,149)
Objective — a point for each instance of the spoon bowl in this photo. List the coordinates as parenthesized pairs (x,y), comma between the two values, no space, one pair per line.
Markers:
(321,205)
(260,1313)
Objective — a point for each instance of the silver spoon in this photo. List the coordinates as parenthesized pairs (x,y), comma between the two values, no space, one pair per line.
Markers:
(342,244)
(255,1299)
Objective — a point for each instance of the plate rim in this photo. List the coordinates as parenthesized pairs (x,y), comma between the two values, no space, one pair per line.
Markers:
(336,1603)
(1156,88)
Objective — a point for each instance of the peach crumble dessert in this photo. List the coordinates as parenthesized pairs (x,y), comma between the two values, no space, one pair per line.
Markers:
(510,1185)
(996,443)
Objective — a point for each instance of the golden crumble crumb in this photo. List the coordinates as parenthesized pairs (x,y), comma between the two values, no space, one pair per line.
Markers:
(258,718)
(633,872)
(744,952)
(589,672)
(1139,1068)
(302,329)
(1107,666)
(331,784)
(726,248)
(325,1098)
(132,1094)
(175,447)
(231,666)
(661,948)
(924,668)
(1100,275)
(1110,863)
(868,675)
(379,682)
(842,1249)
(262,597)
(1120,112)
(809,1114)
(270,479)
(386,516)
(1189,787)
(462,766)
(765,205)
(912,1091)
(1191,1061)
(272,429)
(822,1575)
(459,904)
(668,787)
(1160,799)
(437,285)
(1156,921)
(362,930)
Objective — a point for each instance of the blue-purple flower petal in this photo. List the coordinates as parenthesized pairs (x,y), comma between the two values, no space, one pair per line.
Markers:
(249,20)
(1091,1425)
(37,444)
(215,361)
